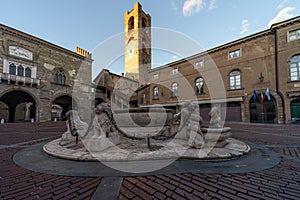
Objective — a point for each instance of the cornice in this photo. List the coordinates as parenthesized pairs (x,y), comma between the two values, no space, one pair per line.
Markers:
(37,40)
(267,32)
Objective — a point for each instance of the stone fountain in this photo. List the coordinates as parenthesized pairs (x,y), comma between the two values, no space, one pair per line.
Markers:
(146,134)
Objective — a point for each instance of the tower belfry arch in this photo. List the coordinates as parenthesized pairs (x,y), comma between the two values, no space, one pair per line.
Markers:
(137,42)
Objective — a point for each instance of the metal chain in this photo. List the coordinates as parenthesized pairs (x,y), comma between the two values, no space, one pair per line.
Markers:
(160,138)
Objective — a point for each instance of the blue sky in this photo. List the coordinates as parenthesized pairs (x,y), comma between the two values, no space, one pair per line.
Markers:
(71,23)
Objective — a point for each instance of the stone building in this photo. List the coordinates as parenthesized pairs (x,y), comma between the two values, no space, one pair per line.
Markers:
(265,65)
(37,78)
(119,90)
(255,78)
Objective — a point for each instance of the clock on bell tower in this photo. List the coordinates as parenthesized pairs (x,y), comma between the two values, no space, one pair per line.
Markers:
(137,38)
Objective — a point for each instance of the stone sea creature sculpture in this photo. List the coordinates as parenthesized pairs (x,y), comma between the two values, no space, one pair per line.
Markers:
(74,127)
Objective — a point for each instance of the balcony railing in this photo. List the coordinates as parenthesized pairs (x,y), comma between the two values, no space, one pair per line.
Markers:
(9,78)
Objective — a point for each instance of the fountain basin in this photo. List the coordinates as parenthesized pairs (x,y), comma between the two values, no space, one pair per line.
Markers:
(141,117)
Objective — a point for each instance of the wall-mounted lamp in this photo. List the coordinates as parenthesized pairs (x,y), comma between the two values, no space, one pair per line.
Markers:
(261,77)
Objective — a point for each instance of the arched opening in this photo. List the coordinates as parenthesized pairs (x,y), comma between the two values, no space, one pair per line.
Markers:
(28,72)
(20,71)
(60,78)
(21,106)
(56,112)
(263,111)
(174,90)
(131,23)
(98,101)
(66,103)
(155,92)
(295,108)
(199,85)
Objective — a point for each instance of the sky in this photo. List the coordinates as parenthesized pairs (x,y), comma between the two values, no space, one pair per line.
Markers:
(89,23)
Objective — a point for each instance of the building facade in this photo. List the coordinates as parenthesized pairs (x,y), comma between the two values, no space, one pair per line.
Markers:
(118,90)
(37,78)
(259,75)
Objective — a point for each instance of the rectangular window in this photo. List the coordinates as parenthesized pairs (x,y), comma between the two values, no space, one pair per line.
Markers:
(199,64)
(155,76)
(174,71)
(293,35)
(235,80)
(234,54)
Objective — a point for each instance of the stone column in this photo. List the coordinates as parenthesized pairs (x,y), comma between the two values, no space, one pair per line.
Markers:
(27,111)
(44,110)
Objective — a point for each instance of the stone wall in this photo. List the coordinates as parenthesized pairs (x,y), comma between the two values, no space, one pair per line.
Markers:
(47,60)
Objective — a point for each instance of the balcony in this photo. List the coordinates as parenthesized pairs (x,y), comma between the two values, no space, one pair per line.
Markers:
(9,78)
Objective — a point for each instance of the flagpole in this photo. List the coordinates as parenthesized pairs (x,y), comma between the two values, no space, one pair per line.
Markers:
(263,112)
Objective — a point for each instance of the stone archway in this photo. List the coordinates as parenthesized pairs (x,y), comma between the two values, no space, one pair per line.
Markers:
(263,111)
(66,103)
(21,106)
(278,103)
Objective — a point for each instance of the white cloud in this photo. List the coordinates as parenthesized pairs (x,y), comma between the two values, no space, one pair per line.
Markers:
(191,7)
(174,57)
(212,5)
(282,15)
(282,4)
(245,26)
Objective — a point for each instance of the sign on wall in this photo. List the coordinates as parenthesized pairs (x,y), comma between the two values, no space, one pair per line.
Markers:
(20,52)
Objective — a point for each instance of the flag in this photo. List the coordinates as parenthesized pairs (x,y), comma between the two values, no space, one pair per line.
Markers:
(262,96)
(268,94)
(255,96)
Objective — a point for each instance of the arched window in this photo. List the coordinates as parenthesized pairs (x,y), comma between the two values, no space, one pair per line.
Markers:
(199,85)
(60,78)
(235,80)
(131,23)
(28,72)
(155,92)
(12,69)
(20,71)
(174,88)
(295,68)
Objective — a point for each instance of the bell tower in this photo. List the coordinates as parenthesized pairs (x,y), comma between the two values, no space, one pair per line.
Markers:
(137,36)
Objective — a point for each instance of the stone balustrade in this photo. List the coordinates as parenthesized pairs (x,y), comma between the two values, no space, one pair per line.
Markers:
(9,78)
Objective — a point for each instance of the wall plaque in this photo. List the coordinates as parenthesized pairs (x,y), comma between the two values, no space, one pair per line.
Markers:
(20,52)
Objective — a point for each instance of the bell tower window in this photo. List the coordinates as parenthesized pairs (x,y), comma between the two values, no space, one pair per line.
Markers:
(131,23)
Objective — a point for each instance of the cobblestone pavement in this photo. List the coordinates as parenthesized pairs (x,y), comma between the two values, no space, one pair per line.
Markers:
(280,182)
